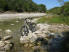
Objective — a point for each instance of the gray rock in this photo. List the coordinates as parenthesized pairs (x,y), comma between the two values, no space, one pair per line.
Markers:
(7,37)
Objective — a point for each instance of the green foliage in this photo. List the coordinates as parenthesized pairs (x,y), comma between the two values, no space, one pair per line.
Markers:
(42,20)
(61,10)
(41,8)
(54,19)
(56,10)
(66,8)
(21,6)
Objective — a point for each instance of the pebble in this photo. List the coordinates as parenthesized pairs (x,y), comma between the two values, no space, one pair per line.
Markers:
(8,31)
(24,39)
(0,29)
(7,37)
(2,44)
(12,24)
(17,21)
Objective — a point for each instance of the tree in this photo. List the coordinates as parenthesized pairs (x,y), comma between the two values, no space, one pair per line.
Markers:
(56,10)
(21,6)
(66,8)
(41,8)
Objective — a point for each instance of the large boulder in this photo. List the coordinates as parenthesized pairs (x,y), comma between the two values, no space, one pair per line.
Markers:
(8,31)
(7,37)
(41,32)
(5,46)
(30,38)
(5,43)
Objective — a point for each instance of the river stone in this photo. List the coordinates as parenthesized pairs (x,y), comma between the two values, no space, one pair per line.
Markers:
(0,30)
(30,38)
(12,24)
(17,21)
(7,37)
(39,34)
(26,45)
(24,39)
(2,44)
(8,41)
(8,31)
(31,45)
(7,46)
(44,30)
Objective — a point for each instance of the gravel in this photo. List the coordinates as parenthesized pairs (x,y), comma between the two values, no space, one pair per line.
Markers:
(20,15)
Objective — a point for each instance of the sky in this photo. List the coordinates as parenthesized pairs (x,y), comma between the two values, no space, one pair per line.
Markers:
(49,3)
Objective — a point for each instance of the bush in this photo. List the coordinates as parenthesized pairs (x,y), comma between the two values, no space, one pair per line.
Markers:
(54,19)
(21,6)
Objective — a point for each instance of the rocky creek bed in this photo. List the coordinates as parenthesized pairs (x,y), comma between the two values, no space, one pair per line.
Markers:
(37,41)
(44,31)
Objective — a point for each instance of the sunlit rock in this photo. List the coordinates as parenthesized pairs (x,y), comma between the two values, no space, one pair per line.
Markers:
(17,21)
(6,44)
(62,24)
(0,30)
(8,31)
(12,24)
(24,39)
(7,37)
(30,38)
(43,27)
(26,45)
(39,34)
(2,44)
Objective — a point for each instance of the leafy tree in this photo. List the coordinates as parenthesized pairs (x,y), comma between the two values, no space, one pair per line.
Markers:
(41,8)
(21,6)
(56,10)
(61,10)
(66,8)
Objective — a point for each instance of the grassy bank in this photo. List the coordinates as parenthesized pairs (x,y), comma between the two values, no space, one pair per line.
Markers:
(54,19)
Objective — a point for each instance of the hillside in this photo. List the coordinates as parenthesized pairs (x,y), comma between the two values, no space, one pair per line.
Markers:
(21,6)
